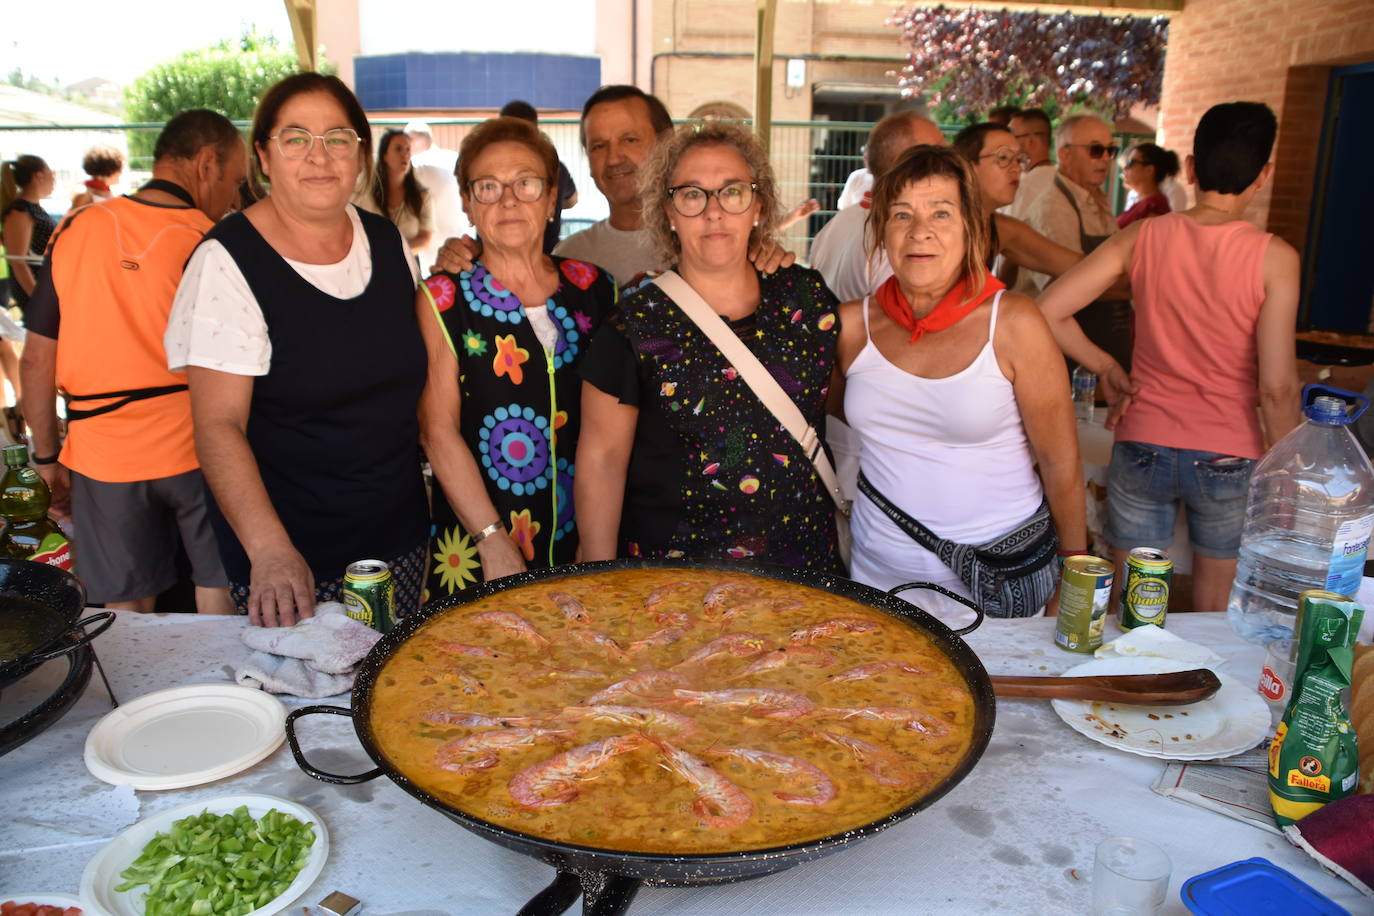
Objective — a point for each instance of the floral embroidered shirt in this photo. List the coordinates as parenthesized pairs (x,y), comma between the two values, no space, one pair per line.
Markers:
(520,411)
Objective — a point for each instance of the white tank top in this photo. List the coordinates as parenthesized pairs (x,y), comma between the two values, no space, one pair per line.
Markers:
(950,452)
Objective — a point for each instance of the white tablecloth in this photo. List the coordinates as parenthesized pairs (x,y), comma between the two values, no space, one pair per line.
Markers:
(1016,836)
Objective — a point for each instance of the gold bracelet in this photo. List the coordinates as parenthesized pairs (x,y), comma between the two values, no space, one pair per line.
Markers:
(486,532)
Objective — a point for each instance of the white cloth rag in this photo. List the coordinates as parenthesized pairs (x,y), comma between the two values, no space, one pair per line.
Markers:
(315,658)
(1153,642)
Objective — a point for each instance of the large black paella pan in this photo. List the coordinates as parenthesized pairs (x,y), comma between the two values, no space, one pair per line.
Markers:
(608,878)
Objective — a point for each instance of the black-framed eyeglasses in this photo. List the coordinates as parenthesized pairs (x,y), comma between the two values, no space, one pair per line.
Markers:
(1136,162)
(527,188)
(1005,157)
(734,197)
(1097,150)
(296,142)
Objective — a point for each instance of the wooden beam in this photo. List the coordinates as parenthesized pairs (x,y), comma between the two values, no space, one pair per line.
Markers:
(763,70)
(302,15)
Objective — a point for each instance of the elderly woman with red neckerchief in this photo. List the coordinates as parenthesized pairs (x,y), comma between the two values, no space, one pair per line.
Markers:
(956,389)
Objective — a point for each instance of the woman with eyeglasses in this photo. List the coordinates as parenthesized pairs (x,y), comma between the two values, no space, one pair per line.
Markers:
(396,194)
(1146,168)
(998,164)
(295,319)
(499,418)
(678,455)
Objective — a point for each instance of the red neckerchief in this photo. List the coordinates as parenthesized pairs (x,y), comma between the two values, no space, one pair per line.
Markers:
(95,184)
(947,312)
(867,202)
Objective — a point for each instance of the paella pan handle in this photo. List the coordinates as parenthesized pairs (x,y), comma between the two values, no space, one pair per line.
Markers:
(102,621)
(948,594)
(301,762)
(602,893)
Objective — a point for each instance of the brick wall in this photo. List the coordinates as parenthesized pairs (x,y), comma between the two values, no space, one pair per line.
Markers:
(1279,52)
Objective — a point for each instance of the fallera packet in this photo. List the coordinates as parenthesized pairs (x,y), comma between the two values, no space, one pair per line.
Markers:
(1313,759)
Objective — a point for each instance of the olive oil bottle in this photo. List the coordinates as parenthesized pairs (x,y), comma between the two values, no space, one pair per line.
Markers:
(24,499)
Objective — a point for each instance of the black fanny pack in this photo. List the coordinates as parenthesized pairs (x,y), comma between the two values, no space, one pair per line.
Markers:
(1011,576)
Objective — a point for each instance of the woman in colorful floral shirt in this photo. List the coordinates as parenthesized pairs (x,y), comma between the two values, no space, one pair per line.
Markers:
(500,414)
(680,458)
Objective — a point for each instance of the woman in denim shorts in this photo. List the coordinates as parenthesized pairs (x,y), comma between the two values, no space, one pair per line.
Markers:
(1215,307)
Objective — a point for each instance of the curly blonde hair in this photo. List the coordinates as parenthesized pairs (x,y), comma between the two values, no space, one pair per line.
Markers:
(657,172)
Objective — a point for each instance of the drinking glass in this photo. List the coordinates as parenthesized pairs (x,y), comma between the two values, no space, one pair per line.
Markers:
(1130,877)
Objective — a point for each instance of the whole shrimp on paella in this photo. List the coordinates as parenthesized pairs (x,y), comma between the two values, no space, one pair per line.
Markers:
(680,711)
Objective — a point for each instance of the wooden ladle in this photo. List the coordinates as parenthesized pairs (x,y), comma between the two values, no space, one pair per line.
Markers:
(1175,688)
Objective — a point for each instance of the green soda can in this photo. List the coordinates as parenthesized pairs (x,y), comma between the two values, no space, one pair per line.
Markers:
(1085,590)
(369,594)
(1145,588)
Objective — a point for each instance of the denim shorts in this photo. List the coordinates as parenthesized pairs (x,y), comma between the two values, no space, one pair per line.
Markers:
(1145,484)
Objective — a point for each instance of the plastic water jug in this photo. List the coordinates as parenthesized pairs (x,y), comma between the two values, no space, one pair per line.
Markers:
(1308,518)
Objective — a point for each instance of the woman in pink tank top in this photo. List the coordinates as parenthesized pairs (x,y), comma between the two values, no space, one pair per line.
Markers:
(956,391)
(1215,304)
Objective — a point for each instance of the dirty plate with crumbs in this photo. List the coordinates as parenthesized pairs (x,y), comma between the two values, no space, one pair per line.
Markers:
(1234,720)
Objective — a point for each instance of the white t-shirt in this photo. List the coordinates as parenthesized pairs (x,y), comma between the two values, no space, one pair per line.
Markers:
(216,322)
(404,218)
(1033,184)
(622,253)
(838,253)
(859,182)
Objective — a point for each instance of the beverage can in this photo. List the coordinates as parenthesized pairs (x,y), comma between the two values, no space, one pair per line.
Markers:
(369,594)
(1085,590)
(1145,587)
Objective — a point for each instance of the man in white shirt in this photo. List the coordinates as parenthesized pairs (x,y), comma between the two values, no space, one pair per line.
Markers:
(1076,213)
(839,251)
(434,169)
(620,125)
(1031,128)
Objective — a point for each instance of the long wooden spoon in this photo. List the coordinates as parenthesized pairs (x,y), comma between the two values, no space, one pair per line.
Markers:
(1175,688)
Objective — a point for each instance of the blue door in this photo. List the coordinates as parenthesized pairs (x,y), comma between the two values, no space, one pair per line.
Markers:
(1339,261)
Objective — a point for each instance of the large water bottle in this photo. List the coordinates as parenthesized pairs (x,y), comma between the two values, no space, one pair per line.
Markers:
(1308,518)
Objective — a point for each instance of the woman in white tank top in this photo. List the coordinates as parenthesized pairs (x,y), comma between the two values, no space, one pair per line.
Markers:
(955,387)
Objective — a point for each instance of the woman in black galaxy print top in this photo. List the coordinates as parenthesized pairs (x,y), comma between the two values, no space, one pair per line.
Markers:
(678,458)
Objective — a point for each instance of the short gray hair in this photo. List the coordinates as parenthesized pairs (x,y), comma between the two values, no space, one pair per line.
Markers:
(1064,135)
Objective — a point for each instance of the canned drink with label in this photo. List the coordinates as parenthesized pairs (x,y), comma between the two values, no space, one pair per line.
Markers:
(1085,590)
(1145,587)
(369,594)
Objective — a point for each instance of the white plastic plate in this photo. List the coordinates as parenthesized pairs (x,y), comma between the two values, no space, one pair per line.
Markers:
(101,877)
(1233,720)
(185,736)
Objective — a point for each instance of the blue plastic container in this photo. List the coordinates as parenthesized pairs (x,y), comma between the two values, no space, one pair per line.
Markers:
(1254,887)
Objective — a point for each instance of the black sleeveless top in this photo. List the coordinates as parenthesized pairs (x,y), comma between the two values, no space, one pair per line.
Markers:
(43,227)
(332,424)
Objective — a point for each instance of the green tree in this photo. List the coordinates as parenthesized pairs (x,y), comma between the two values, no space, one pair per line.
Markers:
(229,78)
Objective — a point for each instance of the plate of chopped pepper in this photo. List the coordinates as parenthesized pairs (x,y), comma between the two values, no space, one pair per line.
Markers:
(238,855)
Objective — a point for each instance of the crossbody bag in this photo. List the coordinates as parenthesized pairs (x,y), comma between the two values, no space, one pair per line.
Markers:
(760,381)
(1011,576)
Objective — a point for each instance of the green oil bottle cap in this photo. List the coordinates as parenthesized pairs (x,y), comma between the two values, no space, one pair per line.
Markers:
(16,456)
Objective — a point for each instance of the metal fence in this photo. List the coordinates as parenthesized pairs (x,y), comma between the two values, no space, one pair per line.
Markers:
(811,159)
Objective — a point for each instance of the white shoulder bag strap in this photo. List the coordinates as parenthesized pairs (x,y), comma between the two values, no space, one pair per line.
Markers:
(759,379)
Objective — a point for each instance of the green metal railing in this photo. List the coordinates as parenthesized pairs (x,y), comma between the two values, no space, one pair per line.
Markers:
(811,159)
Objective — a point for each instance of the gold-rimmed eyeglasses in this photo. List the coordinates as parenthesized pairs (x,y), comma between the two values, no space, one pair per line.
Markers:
(296,142)
(1006,157)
